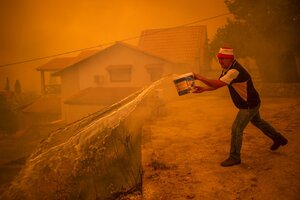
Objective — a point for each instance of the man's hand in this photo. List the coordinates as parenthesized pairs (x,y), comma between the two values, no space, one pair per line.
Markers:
(212,84)
(198,89)
(197,76)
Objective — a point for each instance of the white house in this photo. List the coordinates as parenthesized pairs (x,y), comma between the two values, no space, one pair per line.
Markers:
(107,76)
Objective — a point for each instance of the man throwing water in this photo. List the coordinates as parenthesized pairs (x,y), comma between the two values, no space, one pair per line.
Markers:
(245,98)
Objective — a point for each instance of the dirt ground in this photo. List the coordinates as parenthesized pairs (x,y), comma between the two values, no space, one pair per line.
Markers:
(183,148)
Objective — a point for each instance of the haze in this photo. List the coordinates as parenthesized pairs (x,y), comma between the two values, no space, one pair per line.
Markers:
(33,28)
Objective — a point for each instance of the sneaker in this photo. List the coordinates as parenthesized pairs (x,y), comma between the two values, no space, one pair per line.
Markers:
(230,162)
(277,143)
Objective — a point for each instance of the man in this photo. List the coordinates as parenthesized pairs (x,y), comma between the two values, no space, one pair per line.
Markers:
(245,98)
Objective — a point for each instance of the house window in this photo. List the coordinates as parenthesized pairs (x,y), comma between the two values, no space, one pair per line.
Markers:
(155,71)
(119,73)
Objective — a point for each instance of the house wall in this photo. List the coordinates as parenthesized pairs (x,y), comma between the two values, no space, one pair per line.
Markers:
(69,87)
(69,83)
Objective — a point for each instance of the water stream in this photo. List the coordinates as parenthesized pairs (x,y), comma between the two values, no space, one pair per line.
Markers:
(97,157)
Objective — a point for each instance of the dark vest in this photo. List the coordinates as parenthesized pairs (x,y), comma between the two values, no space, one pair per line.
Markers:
(242,91)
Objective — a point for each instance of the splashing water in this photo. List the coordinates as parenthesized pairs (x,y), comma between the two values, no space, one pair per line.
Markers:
(96,157)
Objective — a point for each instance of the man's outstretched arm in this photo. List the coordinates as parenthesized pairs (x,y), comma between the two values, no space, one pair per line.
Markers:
(211,83)
(199,89)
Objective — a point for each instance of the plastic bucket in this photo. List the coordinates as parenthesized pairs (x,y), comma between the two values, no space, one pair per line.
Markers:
(184,83)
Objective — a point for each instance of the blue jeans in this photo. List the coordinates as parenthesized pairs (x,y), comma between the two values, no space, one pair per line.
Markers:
(242,119)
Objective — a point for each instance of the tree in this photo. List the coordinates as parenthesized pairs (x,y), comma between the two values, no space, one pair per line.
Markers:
(7,88)
(266,30)
(8,119)
(18,89)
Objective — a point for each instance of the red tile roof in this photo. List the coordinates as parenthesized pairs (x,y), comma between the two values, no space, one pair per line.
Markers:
(60,63)
(101,95)
(55,64)
(178,44)
(117,43)
(137,48)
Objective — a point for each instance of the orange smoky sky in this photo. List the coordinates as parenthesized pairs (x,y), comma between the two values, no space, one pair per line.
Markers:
(35,28)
